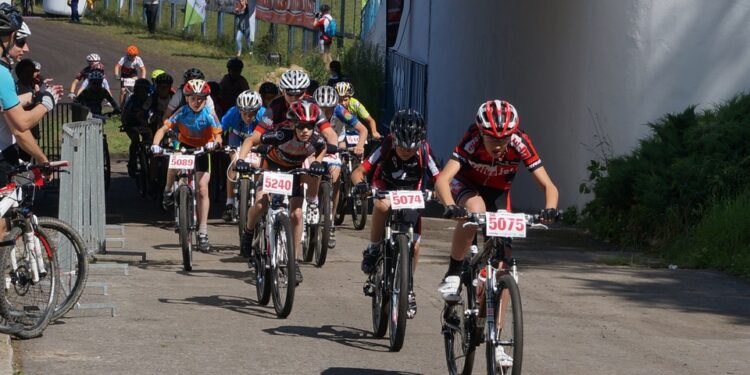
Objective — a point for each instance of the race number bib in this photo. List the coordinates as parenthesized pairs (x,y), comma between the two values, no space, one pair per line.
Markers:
(505,224)
(403,199)
(278,183)
(181,161)
(253,158)
(128,82)
(352,139)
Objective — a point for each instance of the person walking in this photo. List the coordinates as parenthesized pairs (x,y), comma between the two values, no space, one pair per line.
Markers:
(152,10)
(327,26)
(244,23)
(74,17)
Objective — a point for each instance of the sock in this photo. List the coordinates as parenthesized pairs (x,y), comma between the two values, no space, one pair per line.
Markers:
(313,200)
(454,268)
(203,229)
(230,201)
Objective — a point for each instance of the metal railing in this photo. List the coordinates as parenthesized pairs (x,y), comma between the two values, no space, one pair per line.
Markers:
(406,84)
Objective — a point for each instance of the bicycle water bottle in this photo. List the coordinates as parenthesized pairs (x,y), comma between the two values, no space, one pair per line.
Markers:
(479,282)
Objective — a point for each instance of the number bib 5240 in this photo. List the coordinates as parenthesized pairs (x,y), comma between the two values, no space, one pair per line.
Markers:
(278,183)
(403,199)
(181,161)
(505,224)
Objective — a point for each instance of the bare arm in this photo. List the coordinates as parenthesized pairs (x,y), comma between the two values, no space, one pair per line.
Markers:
(160,133)
(330,136)
(248,144)
(373,127)
(545,183)
(117,71)
(443,183)
(358,175)
(73,85)
(143,71)
(20,120)
(27,143)
(362,130)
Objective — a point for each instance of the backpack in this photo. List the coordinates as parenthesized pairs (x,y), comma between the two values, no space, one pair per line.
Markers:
(330,31)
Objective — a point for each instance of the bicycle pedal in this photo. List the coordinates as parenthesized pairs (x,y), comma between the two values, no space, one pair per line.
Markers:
(368,289)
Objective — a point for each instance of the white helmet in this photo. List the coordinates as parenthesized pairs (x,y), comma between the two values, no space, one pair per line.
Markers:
(326,96)
(294,80)
(249,101)
(24,31)
(93,57)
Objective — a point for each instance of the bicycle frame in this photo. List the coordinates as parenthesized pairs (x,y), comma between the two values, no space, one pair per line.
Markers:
(184,177)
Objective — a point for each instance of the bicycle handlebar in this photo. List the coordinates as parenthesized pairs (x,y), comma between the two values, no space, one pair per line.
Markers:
(479,219)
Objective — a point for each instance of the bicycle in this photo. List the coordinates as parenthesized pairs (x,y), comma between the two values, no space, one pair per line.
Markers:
(392,280)
(244,187)
(105,147)
(317,222)
(29,262)
(359,204)
(490,306)
(126,87)
(142,168)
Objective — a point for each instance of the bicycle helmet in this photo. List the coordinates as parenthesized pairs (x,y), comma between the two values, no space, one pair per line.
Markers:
(156,73)
(303,111)
(408,128)
(294,80)
(326,97)
(10,19)
(23,32)
(249,101)
(235,63)
(345,89)
(164,78)
(132,51)
(497,118)
(193,73)
(196,87)
(95,76)
(142,83)
(93,57)
(268,88)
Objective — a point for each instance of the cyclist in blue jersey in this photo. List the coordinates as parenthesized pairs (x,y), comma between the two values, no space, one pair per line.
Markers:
(239,122)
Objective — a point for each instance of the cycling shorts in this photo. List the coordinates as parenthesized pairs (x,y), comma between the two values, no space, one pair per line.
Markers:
(493,198)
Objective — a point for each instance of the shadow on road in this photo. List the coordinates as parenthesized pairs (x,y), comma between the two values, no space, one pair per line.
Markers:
(352,337)
(361,371)
(232,303)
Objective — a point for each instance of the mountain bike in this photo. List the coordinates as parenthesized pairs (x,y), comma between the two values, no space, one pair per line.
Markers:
(392,279)
(317,221)
(244,194)
(141,171)
(105,147)
(359,204)
(490,306)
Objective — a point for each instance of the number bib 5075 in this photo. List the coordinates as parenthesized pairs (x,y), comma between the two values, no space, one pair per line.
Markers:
(505,224)
(402,199)
(278,183)
(181,161)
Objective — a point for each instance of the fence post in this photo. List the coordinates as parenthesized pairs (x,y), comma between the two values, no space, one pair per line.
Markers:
(304,40)
(289,43)
(203,29)
(172,16)
(106,5)
(340,32)
(158,13)
(131,5)
(219,25)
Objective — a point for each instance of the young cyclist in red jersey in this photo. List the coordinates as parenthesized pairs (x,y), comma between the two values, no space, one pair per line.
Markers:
(479,176)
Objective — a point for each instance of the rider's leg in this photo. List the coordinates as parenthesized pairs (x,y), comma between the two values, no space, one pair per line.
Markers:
(379,214)
(231,175)
(463,236)
(260,206)
(135,139)
(335,172)
(312,187)
(295,214)
(203,200)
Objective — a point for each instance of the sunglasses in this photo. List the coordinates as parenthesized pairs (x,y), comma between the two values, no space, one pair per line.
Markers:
(305,125)
(20,42)
(294,94)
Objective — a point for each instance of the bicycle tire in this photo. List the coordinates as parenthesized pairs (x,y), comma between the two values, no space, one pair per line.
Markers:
(514,339)
(262,273)
(344,187)
(284,272)
(312,240)
(379,303)
(185,215)
(324,226)
(72,263)
(360,207)
(107,163)
(243,193)
(142,174)
(399,297)
(460,333)
(32,316)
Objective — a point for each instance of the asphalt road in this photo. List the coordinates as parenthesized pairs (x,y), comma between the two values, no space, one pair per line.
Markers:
(581,317)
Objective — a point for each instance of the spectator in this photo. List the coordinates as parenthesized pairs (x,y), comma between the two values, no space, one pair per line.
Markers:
(219,105)
(74,17)
(151,7)
(268,92)
(28,83)
(244,23)
(323,21)
(336,75)
(233,83)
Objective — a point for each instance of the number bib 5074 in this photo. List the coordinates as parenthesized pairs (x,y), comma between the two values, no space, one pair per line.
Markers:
(505,224)
(403,199)
(278,183)
(352,139)
(181,161)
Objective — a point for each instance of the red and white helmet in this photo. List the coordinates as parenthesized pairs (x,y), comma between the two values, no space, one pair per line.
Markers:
(196,87)
(303,111)
(497,118)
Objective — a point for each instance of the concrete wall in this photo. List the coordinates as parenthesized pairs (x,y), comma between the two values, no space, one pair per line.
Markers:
(577,70)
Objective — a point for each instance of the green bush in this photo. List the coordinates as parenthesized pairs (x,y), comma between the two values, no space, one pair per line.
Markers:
(364,66)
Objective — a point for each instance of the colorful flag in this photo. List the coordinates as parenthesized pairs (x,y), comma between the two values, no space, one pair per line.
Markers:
(195,12)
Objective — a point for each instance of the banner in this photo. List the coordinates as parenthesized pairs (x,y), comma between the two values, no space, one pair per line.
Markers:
(195,12)
(288,12)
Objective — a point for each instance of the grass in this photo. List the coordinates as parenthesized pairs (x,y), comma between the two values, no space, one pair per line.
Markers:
(118,141)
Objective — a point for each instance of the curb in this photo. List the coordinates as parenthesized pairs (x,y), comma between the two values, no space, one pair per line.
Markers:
(6,355)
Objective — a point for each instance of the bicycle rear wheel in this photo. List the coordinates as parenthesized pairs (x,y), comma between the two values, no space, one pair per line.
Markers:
(283,274)
(73,262)
(185,216)
(324,226)
(459,330)
(508,329)
(399,293)
(26,301)
(344,187)
(262,272)
(380,298)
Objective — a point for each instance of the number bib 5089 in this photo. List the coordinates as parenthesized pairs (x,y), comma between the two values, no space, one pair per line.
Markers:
(505,224)
(181,161)
(403,199)
(278,183)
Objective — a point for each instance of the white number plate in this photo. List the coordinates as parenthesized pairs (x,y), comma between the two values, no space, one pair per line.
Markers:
(181,161)
(352,139)
(403,199)
(505,224)
(128,82)
(253,159)
(278,183)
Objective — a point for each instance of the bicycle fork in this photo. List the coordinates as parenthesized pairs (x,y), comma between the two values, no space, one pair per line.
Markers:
(33,257)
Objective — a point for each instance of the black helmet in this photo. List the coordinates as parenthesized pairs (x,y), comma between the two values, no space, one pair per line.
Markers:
(164,78)
(193,73)
(235,63)
(408,128)
(10,19)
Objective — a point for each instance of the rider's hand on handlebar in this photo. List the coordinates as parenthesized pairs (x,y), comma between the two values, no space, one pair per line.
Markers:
(242,166)
(454,212)
(317,168)
(549,215)
(361,188)
(359,151)
(71,96)
(156,149)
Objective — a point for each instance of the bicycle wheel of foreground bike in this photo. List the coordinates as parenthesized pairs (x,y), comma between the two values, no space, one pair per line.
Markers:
(185,216)
(380,299)
(459,331)
(312,240)
(28,302)
(360,206)
(509,328)
(399,301)
(243,192)
(284,278)
(324,228)
(344,187)
(142,175)
(262,273)
(72,262)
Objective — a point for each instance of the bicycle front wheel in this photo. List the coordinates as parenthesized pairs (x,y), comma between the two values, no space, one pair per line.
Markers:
(262,271)
(379,298)
(243,192)
(505,346)
(324,226)
(185,216)
(284,277)
(72,260)
(360,207)
(399,301)
(30,279)
(459,330)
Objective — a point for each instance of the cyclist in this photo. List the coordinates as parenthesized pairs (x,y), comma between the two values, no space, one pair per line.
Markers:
(233,83)
(346,93)
(93,95)
(400,163)
(130,66)
(195,127)
(94,67)
(178,99)
(268,91)
(93,62)
(479,176)
(342,122)
(135,116)
(239,122)
(291,147)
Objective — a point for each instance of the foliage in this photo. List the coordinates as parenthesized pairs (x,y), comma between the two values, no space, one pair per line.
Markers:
(364,66)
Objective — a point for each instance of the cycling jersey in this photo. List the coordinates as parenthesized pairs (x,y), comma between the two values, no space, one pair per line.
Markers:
(85,83)
(8,100)
(194,129)
(342,120)
(479,168)
(129,68)
(393,173)
(158,108)
(237,129)
(92,98)
(358,109)
(84,73)
(289,152)
(275,117)
(135,112)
